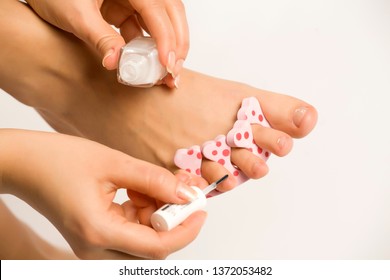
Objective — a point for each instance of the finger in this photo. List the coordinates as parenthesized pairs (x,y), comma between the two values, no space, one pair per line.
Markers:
(145,214)
(158,23)
(130,28)
(177,14)
(143,201)
(107,254)
(184,233)
(143,24)
(276,141)
(145,206)
(191,179)
(140,200)
(129,211)
(144,242)
(151,180)
(148,206)
(170,81)
(102,37)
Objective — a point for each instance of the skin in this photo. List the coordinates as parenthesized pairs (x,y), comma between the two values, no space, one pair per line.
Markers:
(84,225)
(65,83)
(91,20)
(73,181)
(23,239)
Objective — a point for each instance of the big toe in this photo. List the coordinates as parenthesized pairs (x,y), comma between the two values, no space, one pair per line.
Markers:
(286,113)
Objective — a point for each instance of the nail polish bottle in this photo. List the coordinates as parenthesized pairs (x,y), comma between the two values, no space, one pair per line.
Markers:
(171,215)
(139,65)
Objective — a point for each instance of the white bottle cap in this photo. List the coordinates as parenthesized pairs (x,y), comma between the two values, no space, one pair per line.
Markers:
(139,64)
(134,69)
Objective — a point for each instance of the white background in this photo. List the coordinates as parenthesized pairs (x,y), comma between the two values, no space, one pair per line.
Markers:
(330,198)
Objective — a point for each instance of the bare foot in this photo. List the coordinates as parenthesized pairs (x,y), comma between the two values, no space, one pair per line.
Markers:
(76,95)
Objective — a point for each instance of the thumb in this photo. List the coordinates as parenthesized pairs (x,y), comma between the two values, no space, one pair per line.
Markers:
(102,37)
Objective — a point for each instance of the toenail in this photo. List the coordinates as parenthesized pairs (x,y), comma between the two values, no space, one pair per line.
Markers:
(184,177)
(299,115)
(259,170)
(282,142)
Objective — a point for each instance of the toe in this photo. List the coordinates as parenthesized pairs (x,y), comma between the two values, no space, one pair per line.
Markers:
(275,141)
(252,166)
(213,171)
(288,114)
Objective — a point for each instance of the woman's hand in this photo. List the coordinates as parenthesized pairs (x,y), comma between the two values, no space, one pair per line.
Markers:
(73,182)
(91,21)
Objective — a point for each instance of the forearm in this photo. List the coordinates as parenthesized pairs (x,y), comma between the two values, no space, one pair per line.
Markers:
(18,241)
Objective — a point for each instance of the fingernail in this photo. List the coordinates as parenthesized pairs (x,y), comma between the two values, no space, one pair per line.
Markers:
(177,81)
(108,54)
(298,115)
(178,67)
(184,192)
(171,62)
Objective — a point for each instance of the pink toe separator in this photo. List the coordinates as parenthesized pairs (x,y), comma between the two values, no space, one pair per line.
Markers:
(219,149)
(189,159)
(251,111)
(240,135)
